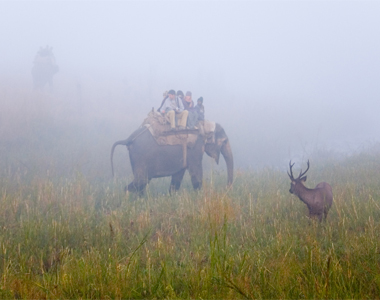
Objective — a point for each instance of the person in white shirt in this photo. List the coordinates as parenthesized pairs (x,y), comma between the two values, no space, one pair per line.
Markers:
(173,108)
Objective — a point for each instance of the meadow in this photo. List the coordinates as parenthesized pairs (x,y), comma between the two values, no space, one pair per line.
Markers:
(68,230)
(69,238)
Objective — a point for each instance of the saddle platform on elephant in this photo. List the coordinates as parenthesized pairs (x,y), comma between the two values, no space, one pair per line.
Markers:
(180,131)
(159,127)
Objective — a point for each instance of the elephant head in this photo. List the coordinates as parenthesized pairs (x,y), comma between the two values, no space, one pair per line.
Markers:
(219,144)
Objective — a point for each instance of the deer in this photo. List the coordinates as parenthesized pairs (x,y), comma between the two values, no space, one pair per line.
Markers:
(318,200)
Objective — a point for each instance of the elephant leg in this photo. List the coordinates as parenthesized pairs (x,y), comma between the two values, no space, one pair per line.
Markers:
(197,183)
(196,173)
(140,180)
(176,180)
(194,164)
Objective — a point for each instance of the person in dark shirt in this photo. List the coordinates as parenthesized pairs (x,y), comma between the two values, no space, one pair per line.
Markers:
(181,97)
(200,109)
(188,104)
(188,101)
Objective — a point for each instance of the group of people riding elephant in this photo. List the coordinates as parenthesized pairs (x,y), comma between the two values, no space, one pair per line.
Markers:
(153,156)
(179,109)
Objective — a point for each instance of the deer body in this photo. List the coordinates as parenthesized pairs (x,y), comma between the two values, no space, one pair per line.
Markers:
(318,200)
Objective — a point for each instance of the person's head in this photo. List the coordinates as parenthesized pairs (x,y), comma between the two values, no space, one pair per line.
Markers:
(180,94)
(171,94)
(200,100)
(188,96)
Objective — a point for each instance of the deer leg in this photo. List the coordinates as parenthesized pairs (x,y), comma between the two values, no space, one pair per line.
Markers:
(325,213)
(313,216)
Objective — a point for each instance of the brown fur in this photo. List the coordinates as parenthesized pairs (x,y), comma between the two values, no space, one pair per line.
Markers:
(318,200)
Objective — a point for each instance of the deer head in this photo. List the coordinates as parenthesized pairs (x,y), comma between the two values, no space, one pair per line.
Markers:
(299,181)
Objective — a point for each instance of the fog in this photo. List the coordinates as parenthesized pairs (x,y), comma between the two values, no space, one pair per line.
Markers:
(286,79)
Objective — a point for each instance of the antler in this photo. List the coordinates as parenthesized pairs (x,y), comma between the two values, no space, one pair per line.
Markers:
(308,166)
(291,172)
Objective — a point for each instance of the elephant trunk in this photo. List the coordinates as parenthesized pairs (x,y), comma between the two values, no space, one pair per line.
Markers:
(228,157)
(124,143)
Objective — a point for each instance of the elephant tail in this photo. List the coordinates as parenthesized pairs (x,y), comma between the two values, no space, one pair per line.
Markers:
(126,142)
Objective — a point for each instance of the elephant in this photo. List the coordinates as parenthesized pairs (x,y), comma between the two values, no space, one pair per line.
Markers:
(44,68)
(151,160)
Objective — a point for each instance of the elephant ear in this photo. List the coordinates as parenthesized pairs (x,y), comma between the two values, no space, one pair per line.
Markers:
(213,151)
(213,148)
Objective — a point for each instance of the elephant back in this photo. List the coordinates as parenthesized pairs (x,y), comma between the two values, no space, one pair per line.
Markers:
(158,123)
(159,127)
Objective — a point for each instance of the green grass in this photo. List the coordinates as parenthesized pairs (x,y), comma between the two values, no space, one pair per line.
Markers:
(67,230)
(74,239)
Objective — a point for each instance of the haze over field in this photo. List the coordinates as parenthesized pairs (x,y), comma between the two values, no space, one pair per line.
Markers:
(284,78)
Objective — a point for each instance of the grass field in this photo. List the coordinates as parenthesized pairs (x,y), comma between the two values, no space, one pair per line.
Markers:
(67,230)
(69,238)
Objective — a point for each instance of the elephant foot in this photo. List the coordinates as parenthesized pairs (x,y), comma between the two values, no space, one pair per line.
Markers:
(197,185)
(173,189)
(136,188)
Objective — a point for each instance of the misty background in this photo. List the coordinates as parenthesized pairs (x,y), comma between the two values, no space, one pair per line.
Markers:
(286,79)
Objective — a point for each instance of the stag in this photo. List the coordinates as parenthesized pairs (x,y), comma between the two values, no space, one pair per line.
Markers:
(318,200)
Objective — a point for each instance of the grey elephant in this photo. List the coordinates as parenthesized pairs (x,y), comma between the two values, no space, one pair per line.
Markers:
(44,68)
(150,160)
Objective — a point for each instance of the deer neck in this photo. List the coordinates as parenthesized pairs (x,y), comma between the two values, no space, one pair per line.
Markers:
(303,193)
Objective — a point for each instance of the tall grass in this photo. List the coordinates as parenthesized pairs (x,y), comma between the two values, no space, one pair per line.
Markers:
(73,239)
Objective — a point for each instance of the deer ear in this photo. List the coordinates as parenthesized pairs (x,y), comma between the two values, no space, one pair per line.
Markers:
(303,179)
